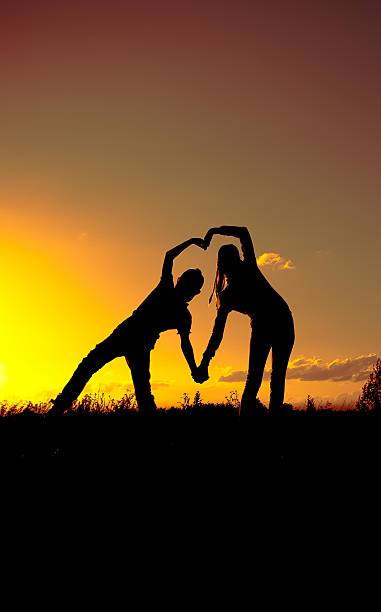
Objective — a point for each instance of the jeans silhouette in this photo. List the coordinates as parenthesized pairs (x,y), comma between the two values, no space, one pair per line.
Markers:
(279,336)
(114,346)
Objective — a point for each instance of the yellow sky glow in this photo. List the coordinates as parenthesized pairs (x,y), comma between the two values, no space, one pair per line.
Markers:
(64,290)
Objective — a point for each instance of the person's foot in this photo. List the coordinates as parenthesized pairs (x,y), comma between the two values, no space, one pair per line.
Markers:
(253,410)
(58,406)
(280,410)
(148,411)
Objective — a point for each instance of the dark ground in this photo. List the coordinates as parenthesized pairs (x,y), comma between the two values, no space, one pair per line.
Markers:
(181,449)
(198,484)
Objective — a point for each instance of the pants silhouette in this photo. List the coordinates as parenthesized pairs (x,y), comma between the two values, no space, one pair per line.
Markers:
(137,359)
(278,335)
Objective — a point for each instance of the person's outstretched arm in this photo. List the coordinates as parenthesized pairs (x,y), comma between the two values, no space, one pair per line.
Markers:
(187,349)
(242,233)
(213,344)
(173,253)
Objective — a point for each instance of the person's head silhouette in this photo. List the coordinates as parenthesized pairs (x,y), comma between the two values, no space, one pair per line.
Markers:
(228,263)
(189,284)
(228,260)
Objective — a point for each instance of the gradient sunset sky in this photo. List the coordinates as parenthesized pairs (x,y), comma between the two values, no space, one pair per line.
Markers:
(128,127)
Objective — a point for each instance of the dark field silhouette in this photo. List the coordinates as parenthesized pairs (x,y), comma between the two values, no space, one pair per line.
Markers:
(197,460)
(185,473)
(102,432)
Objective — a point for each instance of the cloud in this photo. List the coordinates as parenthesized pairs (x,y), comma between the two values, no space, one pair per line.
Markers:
(238,376)
(117,387)
(354,369)
(158,385)
(112,387)
(276,261)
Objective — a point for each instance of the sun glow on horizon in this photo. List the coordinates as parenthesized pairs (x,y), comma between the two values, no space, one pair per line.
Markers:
(43,305)
(50,321)
(65,287)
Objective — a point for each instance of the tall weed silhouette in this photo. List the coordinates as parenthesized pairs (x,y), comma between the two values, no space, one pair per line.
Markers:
(370,398)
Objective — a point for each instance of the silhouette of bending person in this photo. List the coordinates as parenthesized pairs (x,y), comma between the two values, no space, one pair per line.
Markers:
(240,286)
(166,307)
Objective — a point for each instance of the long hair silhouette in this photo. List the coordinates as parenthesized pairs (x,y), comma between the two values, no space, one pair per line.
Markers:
(228,258)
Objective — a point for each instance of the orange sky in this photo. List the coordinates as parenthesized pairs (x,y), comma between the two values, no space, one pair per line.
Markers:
(126,131)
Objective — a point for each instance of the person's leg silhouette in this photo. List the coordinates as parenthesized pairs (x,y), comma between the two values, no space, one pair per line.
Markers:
(260,345)
(281,351)
(139,363)
(100,355)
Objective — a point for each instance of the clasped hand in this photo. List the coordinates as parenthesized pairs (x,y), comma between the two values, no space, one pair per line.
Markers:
(201,374)
(204,243)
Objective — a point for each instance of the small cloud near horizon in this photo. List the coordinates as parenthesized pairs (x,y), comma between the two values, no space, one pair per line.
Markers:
(128,387)
(354,369)
(159,385)
(276,261)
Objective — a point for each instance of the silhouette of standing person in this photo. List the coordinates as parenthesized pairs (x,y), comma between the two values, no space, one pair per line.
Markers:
(166,307)
(240,286)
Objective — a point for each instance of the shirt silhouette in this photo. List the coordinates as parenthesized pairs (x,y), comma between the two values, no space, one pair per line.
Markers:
(166,307)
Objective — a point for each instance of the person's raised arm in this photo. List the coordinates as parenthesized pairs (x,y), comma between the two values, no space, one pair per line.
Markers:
(173,253)
(242,233)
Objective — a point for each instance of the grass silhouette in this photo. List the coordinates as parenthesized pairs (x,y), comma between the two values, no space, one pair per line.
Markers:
(103,430)
(107,466)
(194,444)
